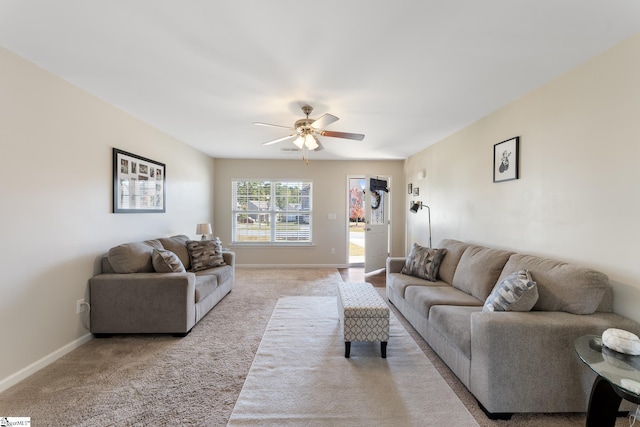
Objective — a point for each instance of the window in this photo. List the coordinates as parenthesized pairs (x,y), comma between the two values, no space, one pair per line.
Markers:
(266,211)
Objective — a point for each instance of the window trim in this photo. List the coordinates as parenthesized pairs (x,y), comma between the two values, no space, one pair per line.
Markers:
(272,212)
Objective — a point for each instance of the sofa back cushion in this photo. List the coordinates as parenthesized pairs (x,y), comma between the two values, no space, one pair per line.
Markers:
(133,257)
(178,245)
(449,263)
(562,286)
(479,269)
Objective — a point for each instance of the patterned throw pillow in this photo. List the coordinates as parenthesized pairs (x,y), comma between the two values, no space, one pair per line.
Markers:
(205,254)
(166,262)
(424,262)
(516,292)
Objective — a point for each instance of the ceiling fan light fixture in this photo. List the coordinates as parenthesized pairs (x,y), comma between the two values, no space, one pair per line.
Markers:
(299,142)
(305,131)
(310,141)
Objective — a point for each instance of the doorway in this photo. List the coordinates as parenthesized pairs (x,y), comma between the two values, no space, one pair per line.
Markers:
(369,221)
(355,203)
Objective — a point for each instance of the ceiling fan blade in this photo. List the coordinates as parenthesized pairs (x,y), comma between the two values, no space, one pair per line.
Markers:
(324,120)
(345,135)
(284,138)
(272,126)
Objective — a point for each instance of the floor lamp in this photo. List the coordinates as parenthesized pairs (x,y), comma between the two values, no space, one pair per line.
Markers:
(415,206)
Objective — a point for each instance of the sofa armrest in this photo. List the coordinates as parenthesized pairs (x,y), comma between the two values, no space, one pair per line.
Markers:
(230,259)
(518,353)
(395,264)
(142,303)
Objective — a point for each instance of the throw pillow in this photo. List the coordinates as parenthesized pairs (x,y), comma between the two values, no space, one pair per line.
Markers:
(177,245)
(205,254)
(133,257)
(516,292)
(166,262)
(424,262)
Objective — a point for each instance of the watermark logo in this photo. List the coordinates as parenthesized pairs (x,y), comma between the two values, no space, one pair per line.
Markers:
(15,421)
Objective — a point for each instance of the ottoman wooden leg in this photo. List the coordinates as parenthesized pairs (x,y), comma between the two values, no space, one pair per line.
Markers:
(383,349)
(347,349)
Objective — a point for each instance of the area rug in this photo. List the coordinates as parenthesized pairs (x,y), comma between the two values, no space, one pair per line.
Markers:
(300,376)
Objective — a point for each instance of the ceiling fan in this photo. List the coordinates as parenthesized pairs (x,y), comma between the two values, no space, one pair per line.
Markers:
(306,130)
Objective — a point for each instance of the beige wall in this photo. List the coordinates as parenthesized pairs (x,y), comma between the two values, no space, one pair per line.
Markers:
(577,199)
(55,208)
(329,196)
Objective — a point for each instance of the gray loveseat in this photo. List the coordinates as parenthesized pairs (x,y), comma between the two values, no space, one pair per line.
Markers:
(510,361)
(131,296)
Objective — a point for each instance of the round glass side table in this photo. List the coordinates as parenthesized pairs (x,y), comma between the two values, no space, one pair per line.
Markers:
(618,378)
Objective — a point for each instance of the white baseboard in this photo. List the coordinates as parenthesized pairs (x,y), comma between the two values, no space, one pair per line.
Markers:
(46,360)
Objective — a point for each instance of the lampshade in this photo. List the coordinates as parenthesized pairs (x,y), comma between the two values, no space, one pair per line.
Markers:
(310,142)
(204,229)
(299,142)
(415,206)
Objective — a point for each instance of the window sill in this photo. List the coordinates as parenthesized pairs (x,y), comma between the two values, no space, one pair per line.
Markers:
(271,245)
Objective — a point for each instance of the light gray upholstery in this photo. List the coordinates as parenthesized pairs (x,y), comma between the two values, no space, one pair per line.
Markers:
(510,361)
(150,302)
(478,270)
(455,249)
(177,245)
(400,282)
(557,283)
(422,298)
(133,257)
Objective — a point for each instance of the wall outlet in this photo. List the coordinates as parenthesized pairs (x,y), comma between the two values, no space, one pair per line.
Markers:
(332,251)
(80,306)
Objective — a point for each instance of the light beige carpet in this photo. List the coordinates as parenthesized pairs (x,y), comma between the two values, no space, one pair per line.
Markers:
(157,380)
(300,376)
(160,380)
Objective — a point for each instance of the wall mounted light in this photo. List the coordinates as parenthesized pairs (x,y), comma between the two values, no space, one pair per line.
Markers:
(415,207)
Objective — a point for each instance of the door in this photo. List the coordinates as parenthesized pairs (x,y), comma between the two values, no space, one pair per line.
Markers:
(376,216)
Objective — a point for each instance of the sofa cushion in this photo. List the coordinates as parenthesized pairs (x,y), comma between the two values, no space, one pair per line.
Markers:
(422,298)
(454,323)
(516,292)
(223,273)
(562,286)
(478,270)
(205,284)
(178,245)
(166,262)
(423,262)
(449,263)
(399,282)
(133,257)
(205,254)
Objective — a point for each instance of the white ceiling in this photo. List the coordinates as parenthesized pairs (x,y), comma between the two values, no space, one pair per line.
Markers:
(405,73)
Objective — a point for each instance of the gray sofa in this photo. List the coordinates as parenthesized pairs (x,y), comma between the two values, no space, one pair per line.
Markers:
(510,361)
(131,296)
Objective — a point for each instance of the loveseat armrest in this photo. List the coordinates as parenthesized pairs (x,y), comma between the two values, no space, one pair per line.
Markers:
(516,354)
(142,303)
(230,259)
(395,264)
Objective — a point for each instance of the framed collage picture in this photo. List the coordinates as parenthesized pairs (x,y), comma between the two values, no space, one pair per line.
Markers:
(139,184)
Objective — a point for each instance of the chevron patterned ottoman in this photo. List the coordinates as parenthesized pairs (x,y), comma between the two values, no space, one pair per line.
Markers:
(364,315)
